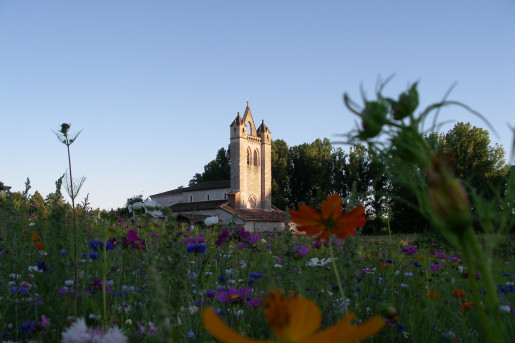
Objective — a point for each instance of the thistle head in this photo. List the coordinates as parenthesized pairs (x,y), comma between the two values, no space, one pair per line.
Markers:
(64,128)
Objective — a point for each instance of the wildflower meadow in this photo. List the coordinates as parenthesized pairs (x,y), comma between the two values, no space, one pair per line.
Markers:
(70,276)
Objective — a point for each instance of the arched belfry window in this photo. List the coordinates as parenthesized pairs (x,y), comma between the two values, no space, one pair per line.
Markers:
(249,128)
(252,201)
(256,158)
(248,156)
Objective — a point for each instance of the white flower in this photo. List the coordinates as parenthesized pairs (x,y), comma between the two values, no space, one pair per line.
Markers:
(138,205)
(315,262)
(193,309)
(505,308)
(32,224)
(278,265)
(211,220)
(34,269)
(80,333)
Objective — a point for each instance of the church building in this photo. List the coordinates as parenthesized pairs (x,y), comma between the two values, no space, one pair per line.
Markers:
(245,199)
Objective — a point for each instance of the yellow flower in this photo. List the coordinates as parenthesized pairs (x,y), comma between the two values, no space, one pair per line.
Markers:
(294,319)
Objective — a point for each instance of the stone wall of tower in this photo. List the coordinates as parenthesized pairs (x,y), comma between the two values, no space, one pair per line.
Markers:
(266,167)
(251,163)
(238,160)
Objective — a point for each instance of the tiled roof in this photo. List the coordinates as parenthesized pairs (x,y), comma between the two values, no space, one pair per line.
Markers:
(260,215)
(274,215)
(197,206)
(197,187)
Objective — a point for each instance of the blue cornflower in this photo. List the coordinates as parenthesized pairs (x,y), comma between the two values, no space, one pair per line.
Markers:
(27,326)
(256,275)
(93,255)
(21,290)
(191,335)
(198,248)
(96,245)
(41,266)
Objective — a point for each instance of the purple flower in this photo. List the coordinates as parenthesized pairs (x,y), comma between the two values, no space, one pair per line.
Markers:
(254,239)
(409,250)
(222,238)
(231,295)
(241,246)
(254,302)
(433,267)
(133,240)
(210,293)
(303,251)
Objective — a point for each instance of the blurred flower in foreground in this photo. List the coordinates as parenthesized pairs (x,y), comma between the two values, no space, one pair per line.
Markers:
(80,333)
(330,220)
(294,319)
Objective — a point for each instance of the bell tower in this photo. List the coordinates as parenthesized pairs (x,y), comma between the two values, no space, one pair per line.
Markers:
(251,163)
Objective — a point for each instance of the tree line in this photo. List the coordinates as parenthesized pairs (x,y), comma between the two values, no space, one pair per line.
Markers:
(308,173)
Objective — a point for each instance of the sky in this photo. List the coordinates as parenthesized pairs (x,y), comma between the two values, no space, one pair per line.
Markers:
(154,85)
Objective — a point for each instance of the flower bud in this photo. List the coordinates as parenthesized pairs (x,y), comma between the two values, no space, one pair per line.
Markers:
(407,103)
(373,118)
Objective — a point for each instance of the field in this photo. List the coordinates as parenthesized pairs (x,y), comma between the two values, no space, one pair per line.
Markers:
(152,280)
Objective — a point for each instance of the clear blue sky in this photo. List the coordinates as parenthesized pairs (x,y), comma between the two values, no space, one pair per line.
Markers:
(155,84)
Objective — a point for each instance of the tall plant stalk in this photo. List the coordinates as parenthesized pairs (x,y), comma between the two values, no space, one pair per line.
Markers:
(63,136)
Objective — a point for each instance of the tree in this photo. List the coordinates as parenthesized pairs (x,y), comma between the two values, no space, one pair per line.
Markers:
(474,160)
(217,169)
(38,206)
(280,176)
(309,170)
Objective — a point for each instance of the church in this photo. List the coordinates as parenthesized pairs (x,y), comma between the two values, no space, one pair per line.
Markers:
(245,199)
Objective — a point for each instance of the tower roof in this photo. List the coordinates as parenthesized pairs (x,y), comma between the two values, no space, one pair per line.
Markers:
(238,120)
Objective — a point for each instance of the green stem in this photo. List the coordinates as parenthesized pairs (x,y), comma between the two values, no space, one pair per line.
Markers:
(493,321)
(469,261)
(338,281)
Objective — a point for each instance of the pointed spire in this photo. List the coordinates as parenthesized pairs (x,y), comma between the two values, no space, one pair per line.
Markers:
(238,120)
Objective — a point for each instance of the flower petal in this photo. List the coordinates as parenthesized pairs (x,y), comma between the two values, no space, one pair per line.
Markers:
(332,207)
(345,332)
(217,327)
(305,318)
(306,216)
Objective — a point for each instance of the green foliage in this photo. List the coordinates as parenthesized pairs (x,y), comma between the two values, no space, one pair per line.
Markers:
(218,169)
(281,178)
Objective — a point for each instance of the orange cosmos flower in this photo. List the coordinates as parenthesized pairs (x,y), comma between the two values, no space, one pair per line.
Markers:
(330,220)
(294,319)
(433,294)
(467,305)
(37,242)
(459,293)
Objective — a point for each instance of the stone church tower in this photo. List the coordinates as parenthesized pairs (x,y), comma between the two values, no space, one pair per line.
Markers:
(251,164)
